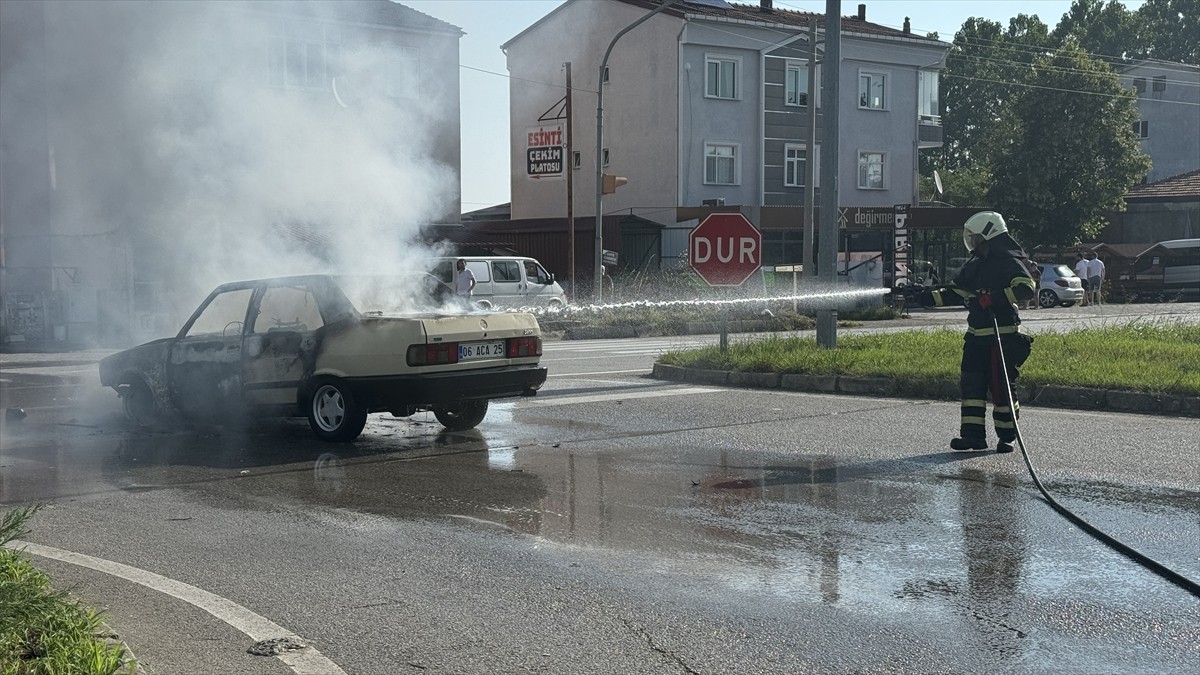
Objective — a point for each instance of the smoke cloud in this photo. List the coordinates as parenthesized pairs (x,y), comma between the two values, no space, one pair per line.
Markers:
(196,143)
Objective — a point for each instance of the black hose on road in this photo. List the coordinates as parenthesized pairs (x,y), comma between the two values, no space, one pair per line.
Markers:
(1129,552)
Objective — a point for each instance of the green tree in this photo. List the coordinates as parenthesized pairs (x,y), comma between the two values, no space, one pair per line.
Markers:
(1105,29)
(984,70)
(1170,30)
(1073,153)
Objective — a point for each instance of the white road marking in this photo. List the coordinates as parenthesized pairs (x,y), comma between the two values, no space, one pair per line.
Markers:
(627,396)
(307,661)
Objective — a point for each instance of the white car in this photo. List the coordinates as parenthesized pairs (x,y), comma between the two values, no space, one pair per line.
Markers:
(1058,286)
(300,347)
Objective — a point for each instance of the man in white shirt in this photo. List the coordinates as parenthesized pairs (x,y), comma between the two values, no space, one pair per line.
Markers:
(1095,271)
(1081,271)
(465,284)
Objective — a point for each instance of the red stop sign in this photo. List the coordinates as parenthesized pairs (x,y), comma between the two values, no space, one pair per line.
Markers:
(725,249)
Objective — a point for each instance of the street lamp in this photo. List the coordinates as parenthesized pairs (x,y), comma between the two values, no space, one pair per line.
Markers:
(599,258)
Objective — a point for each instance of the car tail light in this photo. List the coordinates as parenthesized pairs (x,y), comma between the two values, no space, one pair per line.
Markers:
(524,346)
(1061,282)
(433,354)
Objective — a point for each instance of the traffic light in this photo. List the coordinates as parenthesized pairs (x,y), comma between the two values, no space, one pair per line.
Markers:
(611,183)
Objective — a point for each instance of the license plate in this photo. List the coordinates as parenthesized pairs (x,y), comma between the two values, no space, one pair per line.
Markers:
(470,351)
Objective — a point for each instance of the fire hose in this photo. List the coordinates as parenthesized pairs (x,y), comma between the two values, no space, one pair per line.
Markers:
(1129,552)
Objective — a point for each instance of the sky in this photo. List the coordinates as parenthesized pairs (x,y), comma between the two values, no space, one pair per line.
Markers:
(490,23)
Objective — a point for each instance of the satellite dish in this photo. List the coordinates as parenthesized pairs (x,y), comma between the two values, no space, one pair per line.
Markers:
(937,181)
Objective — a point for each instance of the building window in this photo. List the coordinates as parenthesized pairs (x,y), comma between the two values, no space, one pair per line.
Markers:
(302,57)
(720,77)
(720,164)
(796,85)
(1160,83)
(795,156)
(927,97)
(782,247)
(604,157)
(405,70)
(870,170)
(576,160)
(1139,85)
(1142,129)
(871,90)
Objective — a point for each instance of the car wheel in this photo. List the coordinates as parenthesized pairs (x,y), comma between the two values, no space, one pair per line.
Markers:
(1047,298)
(138,403)
(333,414)
(461,415)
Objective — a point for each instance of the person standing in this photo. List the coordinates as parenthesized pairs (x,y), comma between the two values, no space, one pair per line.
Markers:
(464,285)
(1081,271)
(992,283)
(1095,272)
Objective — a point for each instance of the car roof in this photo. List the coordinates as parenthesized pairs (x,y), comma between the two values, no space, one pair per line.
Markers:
(1180,243)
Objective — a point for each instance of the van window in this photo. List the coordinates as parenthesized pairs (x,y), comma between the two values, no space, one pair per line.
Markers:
(506,270)
(535,273)
(480,269)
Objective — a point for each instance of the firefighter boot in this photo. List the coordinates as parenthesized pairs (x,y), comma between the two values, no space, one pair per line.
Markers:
(968,443)
(1005,445)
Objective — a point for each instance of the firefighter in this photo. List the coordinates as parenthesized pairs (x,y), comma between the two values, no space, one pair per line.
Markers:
(993,282)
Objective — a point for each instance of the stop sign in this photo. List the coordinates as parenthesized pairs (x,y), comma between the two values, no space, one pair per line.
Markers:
(725,249)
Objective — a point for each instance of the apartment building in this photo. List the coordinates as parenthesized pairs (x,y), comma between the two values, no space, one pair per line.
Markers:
(707,102)
(1169,100)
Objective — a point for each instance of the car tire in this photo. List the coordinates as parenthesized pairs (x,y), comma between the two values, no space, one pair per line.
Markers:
(138,403)
(461,415)
(333,413)
(1048,298)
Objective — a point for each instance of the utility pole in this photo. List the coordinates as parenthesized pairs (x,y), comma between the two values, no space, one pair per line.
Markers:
(827,255)
(810,158)
(569,168)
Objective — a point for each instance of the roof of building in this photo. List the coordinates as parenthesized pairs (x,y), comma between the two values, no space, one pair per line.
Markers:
(791,17)
(377,12)
(1183,187)
(754,13)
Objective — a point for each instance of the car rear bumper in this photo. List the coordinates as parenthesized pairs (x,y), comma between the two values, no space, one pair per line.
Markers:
(390,392)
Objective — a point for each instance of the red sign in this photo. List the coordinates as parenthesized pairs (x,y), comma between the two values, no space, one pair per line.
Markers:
(725,249)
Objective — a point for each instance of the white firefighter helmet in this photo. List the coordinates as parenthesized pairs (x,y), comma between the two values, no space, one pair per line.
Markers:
(981,227)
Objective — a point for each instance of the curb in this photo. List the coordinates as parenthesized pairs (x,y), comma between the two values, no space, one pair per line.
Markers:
(1050,396)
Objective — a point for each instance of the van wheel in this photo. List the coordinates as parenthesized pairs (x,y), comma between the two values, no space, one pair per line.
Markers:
(555,303)
(333,414)
(483,304)
(461,415)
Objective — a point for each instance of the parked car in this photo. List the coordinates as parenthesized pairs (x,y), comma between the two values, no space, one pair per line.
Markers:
(1167,270)
(300,347)
(1058,286)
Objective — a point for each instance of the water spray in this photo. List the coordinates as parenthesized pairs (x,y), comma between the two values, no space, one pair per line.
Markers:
(837,296)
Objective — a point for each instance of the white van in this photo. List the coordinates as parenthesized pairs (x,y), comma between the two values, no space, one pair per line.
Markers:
(505,281)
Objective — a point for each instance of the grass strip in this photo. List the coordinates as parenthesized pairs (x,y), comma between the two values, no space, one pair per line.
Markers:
(42,630)
(1156,357)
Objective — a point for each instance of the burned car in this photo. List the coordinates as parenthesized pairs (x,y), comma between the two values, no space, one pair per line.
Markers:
(300,347)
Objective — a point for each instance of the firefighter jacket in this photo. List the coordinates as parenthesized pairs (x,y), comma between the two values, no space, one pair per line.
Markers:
(1002,274)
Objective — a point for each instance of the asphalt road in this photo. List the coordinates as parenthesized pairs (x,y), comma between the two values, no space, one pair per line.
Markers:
(617,524)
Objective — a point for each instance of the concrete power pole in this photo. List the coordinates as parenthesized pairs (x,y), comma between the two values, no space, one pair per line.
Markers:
(827,255)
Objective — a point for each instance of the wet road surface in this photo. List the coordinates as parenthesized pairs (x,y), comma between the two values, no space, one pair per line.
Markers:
(616,524)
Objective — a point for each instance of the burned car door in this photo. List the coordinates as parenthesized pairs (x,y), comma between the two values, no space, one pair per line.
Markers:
(281,344)
(204,364)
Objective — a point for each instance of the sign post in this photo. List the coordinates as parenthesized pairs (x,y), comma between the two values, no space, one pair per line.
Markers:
(725,249)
